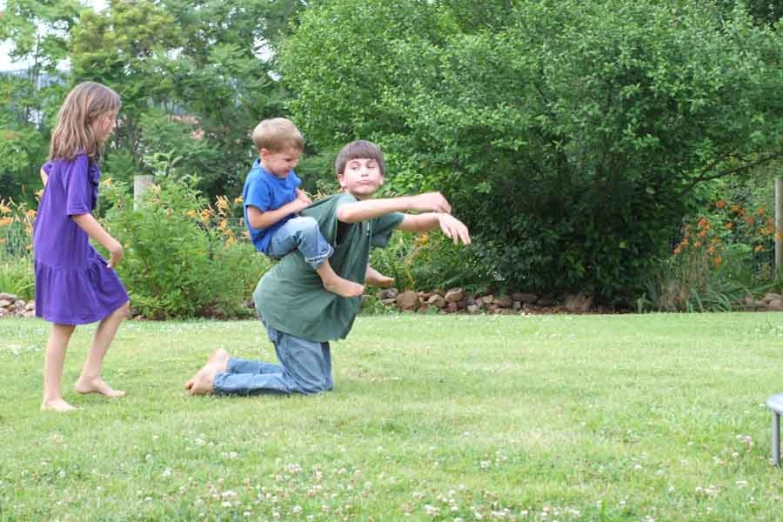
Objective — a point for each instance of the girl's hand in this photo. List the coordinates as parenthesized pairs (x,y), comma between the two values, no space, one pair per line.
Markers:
(115,253)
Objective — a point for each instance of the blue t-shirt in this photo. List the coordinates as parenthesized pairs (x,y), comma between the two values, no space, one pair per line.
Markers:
(266,192)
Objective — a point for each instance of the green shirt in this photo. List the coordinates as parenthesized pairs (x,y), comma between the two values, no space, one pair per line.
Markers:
(291,296)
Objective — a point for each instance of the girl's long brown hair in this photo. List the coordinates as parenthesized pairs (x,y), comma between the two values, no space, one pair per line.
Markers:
(73,133)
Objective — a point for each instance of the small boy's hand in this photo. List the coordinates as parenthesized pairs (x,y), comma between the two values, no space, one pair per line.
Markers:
(304,197)
(454,229)
(430,202)
(300,204)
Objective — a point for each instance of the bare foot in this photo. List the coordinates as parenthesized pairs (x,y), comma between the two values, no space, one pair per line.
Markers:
(380,280)
(344,287)
(219,356)
(57,405)
(96,385)
(203,382)
(373,277)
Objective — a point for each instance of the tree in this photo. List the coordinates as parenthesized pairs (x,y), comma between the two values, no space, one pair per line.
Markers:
(38,32)
(225,76)
(194,77)
(127,47)
(572,136)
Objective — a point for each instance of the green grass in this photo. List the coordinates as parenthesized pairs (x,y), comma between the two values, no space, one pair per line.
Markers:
(655,417)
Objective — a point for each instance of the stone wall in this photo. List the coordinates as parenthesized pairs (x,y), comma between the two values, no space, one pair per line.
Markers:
(11,306)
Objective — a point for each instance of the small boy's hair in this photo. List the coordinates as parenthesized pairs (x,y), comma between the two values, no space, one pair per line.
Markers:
(277,135)
(359,150)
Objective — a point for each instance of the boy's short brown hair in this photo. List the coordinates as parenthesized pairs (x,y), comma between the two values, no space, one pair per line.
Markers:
(277,135)
(359,150)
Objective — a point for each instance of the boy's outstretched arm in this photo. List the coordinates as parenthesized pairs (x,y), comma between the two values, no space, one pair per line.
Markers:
(373,208)
(452,227)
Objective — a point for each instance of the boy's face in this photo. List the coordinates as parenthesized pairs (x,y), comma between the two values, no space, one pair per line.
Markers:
(361,178)
(280,163)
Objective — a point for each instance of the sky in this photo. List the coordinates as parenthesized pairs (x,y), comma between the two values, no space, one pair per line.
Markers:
(5,47)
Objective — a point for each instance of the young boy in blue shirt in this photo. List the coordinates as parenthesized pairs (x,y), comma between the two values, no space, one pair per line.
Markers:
(272,199)
(300,317)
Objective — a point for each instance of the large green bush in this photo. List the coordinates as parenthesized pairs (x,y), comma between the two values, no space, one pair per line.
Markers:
(572,136)
(182,258)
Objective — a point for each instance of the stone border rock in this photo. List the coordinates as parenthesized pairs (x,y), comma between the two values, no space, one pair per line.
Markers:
(457,300)
(11,306)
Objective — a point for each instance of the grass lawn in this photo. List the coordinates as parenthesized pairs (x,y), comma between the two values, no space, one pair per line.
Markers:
(624,417)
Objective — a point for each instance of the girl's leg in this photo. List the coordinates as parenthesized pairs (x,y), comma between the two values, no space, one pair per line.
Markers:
(90,380)
(53,367)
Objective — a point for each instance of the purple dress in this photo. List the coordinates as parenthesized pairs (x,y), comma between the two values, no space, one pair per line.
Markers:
(73,285)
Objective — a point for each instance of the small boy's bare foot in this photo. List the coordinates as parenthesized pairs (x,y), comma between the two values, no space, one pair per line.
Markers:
(219,357)
(97,385)
(344,288)
(203,382)
(57,405)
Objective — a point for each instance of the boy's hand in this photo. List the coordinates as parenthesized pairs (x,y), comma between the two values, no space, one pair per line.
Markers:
(304,197)
(430,202)
(454,229)
(299,204)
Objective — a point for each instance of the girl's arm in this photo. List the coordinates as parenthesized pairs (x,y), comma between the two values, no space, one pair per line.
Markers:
(44,177)
(94,229)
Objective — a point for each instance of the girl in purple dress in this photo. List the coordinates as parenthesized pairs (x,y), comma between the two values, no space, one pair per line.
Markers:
(74,284)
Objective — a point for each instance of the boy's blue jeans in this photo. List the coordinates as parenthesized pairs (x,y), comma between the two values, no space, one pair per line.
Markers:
(306,367)
(303,234)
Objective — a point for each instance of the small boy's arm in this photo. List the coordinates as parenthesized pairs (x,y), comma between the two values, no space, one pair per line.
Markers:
(300,194)
(260,219)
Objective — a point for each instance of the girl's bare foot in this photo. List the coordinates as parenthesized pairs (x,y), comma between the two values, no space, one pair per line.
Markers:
(96,385)
(344,287)
(57,405)
(219,357)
